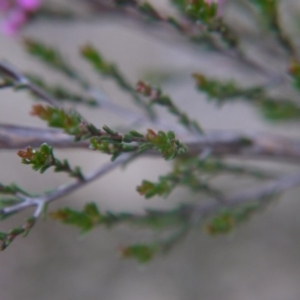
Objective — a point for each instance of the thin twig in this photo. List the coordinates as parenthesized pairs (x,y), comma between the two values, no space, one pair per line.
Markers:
(219,143)
(135,118)
(64,190)
(17,137)
(195,212)
(19,80)
(22,81)
(187,29)
(275,187)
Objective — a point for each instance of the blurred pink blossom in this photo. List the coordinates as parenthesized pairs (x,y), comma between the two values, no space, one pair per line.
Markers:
(4,6)
(13,21)
(30,5)
(14,14)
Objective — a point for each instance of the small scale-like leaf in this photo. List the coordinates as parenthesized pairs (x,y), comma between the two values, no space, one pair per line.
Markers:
(142,253)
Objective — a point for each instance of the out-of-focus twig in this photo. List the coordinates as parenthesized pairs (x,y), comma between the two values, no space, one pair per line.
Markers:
(199,211)
(21,81)
(187,29)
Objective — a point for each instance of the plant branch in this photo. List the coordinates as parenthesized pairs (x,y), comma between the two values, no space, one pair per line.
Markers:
(18,80)
(219,143)
(21,81)
(272,188)
(135,118)
(185,28)
(40,201)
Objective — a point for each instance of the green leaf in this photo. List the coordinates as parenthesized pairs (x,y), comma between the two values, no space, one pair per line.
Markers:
(76,218)
(142,253)
(58,118)
(227,219)
(150,189)
(166,143)
(280,111)
(155,96)
(224,91)
(201,10)
(88,218)
(221,224)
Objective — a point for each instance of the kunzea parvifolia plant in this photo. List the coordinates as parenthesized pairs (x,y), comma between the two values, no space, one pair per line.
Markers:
(197,156)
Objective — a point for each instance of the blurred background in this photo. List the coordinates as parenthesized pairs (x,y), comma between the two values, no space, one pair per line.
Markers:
(260,260)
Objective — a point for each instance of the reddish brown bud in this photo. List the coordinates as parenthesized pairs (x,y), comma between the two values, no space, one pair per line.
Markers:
(40,111)
(150,135)
(26,154)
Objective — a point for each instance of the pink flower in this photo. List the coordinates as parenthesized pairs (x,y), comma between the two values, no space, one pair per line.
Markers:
(15,14)
(29,5)
(14,21)
(4,5)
